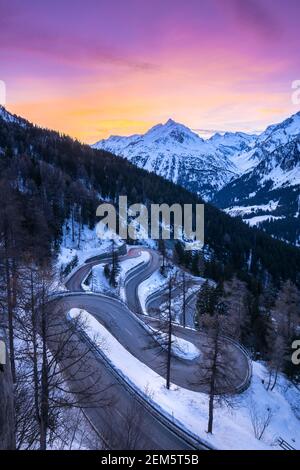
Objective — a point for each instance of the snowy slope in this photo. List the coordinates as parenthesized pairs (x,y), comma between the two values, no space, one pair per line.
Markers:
(8,117)
(276,177)
(238,147)
(173,151)
(233,426)
(280,134)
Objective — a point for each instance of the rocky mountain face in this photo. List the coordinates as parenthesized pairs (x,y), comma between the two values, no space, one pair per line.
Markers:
(173,151)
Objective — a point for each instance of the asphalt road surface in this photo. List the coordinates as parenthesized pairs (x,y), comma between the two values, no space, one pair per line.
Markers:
(114,421)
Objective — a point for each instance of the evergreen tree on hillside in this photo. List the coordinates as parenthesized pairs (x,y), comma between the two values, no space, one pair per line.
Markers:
(162,250)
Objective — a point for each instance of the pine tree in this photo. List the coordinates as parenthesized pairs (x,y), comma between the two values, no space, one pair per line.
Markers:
(209,298)
(203,299)
(216,372)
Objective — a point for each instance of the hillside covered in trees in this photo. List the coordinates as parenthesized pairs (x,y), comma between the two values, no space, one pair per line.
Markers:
(47,178)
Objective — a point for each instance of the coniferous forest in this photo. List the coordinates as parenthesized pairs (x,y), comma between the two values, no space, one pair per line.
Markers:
(46,176)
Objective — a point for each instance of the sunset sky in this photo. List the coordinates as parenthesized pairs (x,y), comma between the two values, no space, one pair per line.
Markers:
(99,67)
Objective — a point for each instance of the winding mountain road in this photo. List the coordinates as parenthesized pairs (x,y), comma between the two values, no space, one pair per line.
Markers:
(124,323)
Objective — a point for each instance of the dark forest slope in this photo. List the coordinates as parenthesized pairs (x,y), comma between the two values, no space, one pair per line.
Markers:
(44,176)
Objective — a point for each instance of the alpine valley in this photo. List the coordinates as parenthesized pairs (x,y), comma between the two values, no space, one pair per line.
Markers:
(255,177)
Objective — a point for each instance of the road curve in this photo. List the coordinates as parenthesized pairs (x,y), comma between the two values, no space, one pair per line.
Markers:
(111,417)
(127,329)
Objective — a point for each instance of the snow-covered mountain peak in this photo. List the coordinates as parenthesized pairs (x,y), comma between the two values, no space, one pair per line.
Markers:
(234,140)
(280,134)
(175,152)
(172,131)
(170,122)
(291,124)
(274,177)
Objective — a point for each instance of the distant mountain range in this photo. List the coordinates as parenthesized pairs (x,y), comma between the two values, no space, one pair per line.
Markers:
(268,195)
(175,152)
(256,177)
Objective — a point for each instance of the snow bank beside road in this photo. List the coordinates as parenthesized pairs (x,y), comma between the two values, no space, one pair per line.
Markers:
(155,282)
(128,265)
(96,281)
(232,426)
(180,347)
(85,245)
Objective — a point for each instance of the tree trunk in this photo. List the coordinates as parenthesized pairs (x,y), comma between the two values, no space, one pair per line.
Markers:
(270,380)
(10,313)
(213,384)
(35,351)
(44,415)
(183,300)
(169,350)
(79,228)
(72,225)
(7,414)
(210,413)
(275,380)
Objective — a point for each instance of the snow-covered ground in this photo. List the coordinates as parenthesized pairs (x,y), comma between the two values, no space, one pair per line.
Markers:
(88,246)
(180,347)
(236,211)
(280,178)
(126,266)
(155,282)
(158,282)
(233,426)
(261,218)
(177,302)
(241,211)
(96,281)
(85,246)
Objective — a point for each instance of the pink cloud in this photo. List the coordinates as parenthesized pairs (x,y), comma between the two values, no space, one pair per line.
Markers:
(137,61)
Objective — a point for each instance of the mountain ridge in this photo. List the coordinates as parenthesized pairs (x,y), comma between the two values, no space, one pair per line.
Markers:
(233,170)
(175,152)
